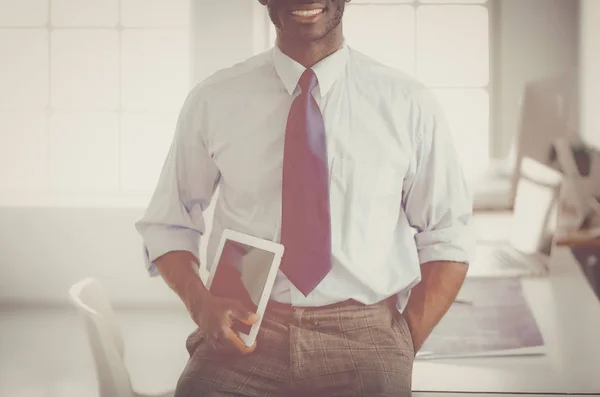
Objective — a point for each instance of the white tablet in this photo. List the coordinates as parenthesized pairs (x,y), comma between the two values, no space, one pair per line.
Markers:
(244,269)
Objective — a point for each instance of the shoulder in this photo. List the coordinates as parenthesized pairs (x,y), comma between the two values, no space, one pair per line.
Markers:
(223,86)
(380,75)
(240,73)
(227,80)
(395,86)
(409,100)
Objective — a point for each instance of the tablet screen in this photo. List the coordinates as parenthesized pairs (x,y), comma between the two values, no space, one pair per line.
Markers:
(242,274)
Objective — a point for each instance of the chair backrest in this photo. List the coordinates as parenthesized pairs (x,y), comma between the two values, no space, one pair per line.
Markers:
(104,336)
(536,206)
(579,194)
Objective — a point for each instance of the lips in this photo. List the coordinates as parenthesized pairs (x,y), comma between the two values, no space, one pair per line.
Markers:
(308,13)
(314,5)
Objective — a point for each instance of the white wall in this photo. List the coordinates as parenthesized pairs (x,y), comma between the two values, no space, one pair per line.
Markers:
(44,250)
(536,39)
(590,71)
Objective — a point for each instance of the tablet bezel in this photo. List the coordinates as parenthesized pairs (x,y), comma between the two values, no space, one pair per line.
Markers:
(266,245)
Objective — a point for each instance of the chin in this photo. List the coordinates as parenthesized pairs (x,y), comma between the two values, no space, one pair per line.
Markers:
(308,35)
(308,32)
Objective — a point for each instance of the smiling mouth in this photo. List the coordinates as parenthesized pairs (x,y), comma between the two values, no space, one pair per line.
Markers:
(307,13)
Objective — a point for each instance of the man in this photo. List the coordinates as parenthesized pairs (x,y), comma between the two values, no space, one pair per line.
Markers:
(351,166)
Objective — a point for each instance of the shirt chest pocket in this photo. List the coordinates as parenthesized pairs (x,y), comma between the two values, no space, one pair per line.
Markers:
(366,200)
(366,179)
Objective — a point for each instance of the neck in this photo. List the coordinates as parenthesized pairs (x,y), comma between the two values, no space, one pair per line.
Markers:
(309,53)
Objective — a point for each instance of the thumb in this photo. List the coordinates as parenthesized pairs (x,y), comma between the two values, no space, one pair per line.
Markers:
(239,312)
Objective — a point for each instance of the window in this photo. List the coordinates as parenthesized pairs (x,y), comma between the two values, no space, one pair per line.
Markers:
(89,96)
(445,45)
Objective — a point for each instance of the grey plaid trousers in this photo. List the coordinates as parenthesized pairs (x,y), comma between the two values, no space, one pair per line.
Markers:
(346,349)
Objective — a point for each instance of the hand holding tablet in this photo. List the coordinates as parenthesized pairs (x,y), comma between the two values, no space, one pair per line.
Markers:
(216,317)
(240,284)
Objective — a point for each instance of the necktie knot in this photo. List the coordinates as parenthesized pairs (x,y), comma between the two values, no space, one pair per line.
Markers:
(308,81)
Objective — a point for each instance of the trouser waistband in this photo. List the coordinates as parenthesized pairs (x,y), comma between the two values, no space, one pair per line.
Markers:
(343,304)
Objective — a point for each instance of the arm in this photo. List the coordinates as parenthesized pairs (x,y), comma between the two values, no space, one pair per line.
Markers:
(431,298)
(178,270)
(438,205)
(173,222)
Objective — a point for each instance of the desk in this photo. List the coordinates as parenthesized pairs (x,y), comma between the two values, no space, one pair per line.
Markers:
(578,239)
(568,314)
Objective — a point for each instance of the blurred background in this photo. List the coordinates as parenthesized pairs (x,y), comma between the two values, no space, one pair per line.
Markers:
(90,92)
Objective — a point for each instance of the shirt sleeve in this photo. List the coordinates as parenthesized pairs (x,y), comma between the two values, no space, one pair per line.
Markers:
(174,219)
(437,200)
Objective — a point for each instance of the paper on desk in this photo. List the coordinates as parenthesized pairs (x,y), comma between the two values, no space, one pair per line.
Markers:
(490,318)
(526,351)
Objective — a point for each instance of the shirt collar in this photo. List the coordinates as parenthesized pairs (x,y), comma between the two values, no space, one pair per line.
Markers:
(327,70)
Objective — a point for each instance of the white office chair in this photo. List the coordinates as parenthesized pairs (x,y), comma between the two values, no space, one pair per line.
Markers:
(105,339)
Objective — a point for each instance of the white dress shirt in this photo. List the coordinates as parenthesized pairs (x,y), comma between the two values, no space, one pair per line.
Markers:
(398,195)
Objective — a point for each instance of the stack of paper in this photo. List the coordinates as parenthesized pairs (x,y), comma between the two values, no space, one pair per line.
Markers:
(490,318)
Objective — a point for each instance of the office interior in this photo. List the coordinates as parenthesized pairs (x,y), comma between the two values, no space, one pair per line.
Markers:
(89,97)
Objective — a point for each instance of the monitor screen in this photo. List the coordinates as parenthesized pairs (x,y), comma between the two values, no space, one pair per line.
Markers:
(242,274)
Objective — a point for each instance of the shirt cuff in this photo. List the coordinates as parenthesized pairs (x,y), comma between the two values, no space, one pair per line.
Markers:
(161,240)
(450,244)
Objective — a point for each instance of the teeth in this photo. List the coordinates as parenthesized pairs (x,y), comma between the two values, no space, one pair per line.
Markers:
(307,13)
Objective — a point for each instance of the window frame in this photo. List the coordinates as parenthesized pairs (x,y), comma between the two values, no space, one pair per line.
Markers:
(119,194)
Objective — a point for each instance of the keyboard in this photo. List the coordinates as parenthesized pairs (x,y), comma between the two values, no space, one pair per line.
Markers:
(505,262)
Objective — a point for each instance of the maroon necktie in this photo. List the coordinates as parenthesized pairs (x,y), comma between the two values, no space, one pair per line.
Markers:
(306,223)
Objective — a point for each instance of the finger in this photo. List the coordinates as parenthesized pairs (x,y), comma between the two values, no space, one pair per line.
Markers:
(227,321)
(212,342)
(235,340)
(240,313)
(214,338)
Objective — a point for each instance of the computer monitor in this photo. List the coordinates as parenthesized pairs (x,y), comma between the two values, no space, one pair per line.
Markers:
(549,111)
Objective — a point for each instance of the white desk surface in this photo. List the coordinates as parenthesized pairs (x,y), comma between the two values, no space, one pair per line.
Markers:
(568,314)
